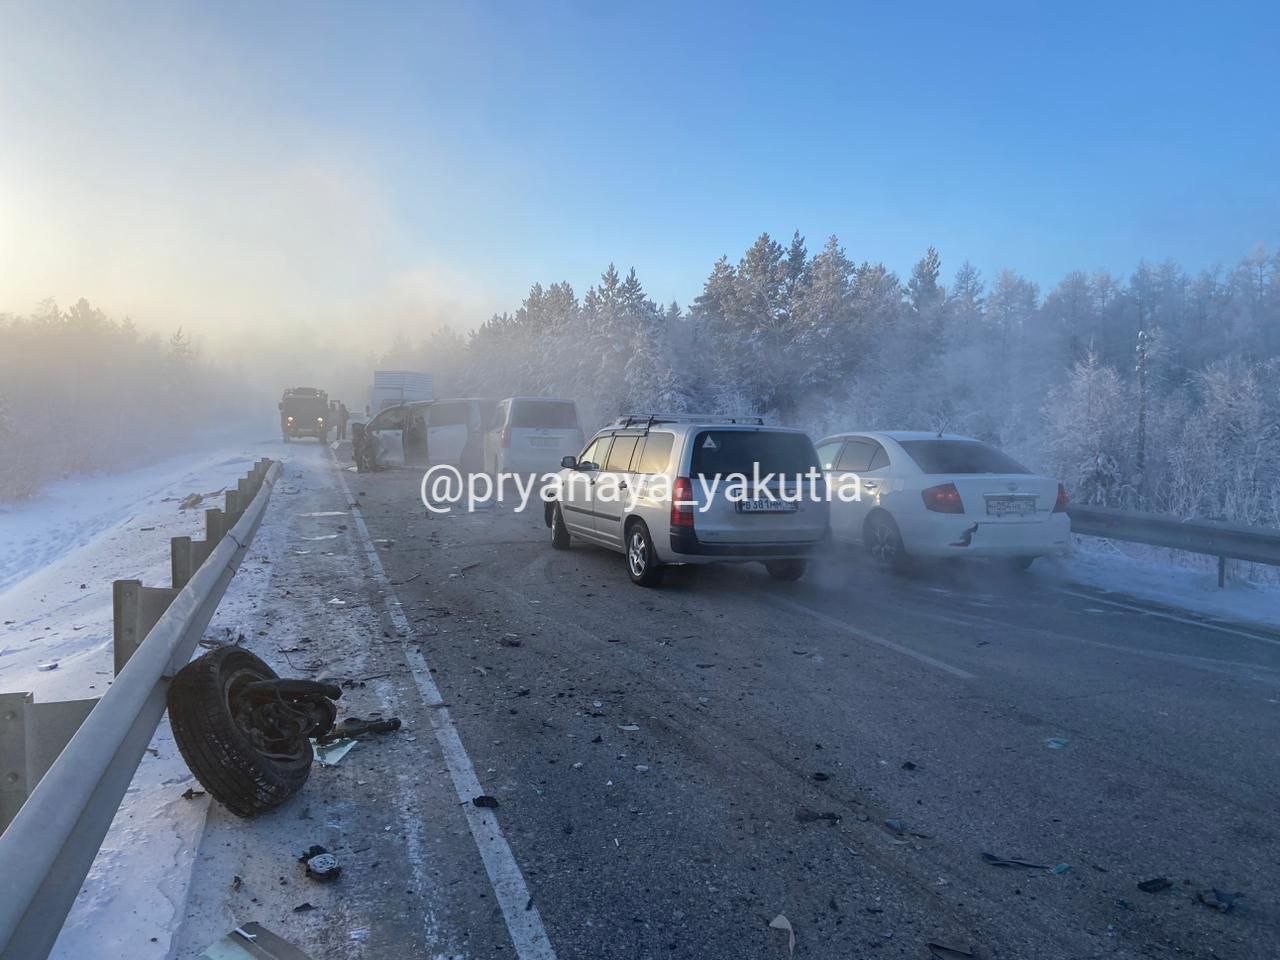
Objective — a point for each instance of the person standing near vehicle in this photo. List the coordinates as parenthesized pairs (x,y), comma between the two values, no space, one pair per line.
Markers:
(343,416)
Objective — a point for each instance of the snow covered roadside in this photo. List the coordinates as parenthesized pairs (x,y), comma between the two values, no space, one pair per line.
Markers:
(90,531)
(1145,573)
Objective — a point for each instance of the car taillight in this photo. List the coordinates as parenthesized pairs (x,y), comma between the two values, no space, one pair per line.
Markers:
(944,498)
(682,503)
(506,437)
(1060,506)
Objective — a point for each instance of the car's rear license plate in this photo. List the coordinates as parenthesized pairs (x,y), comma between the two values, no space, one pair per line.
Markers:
(543,441)
(1006,506)
(765,505)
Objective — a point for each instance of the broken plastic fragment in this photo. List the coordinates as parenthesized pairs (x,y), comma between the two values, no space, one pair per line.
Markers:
(329,754)
(780,922)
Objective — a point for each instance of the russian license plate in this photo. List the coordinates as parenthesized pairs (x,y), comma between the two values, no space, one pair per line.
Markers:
(766,505)
(543,442)
(1007,506)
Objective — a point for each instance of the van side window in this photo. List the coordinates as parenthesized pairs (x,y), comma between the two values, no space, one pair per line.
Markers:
(620,454)
(655,453)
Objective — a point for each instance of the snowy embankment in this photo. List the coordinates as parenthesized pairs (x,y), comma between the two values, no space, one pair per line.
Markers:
(1170,578)
(61,551)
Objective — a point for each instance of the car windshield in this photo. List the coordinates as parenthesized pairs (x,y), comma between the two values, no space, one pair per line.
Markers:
(547,414)
(960,457)
(727,452)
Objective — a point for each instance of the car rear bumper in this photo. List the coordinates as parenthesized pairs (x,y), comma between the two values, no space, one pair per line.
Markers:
(687,548)
(943,535)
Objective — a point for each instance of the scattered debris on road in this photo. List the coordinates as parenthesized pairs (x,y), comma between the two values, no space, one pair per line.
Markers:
(351,728)
(1056,743)
(805,815)
(780,922)
(1216,899)
(995,861)
(509,640)
(252,941)
(485,801)
(191,793)
(191,500)
(1155,885)
(321,864)
(331,754)
(51,665)
(944,952)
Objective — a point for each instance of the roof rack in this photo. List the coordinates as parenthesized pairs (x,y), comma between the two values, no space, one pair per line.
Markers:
(649,419)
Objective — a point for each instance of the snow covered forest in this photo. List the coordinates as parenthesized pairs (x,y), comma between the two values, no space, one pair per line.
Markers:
(1159,391)
(80,392)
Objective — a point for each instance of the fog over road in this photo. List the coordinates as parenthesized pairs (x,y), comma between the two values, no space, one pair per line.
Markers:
(675,767)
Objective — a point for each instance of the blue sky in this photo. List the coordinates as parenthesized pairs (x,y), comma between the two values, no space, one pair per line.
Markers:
(292,162)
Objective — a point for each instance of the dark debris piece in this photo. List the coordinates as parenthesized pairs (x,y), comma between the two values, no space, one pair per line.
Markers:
(1155,885)
(486,801)
(1216,899)
(805,815)
(321,864)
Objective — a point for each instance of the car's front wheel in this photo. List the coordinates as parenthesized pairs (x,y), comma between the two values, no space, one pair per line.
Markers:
(884,543)
(559,532)
(642,562)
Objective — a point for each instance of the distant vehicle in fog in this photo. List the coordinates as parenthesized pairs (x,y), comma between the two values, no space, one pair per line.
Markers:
(394,387)
(427,434)
(935,495)
(677,506)
(531,435)
(303,413)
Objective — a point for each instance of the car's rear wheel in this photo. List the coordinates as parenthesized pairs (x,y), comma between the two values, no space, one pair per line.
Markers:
(559,532)
(884,543)
(642,562)
(1018,564)
(787,570)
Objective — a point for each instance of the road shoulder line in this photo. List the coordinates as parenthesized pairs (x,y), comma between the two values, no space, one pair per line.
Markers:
(523,921)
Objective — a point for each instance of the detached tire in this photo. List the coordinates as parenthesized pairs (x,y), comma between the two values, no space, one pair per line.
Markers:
(219,752)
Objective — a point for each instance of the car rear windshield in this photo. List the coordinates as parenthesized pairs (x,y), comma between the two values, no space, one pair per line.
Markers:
(548,414)
(960,456)
(726,452)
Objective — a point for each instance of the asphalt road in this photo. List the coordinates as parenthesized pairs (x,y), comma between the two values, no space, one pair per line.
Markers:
(677,767)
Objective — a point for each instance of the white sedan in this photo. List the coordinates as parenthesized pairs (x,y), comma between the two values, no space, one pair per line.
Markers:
(904,495)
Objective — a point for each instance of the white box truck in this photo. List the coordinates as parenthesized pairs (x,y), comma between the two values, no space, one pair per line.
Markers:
(391,387)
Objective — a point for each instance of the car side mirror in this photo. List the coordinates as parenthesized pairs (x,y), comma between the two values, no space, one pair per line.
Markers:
(569,463)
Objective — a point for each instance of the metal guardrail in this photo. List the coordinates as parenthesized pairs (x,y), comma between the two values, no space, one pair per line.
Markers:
(1226,541)
(50,843)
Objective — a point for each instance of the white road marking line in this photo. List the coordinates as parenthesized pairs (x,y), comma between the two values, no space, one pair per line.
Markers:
(871,637)
(524,923)
(1171,616)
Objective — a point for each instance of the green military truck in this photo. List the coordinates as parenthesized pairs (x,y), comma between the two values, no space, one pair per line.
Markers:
(304,412)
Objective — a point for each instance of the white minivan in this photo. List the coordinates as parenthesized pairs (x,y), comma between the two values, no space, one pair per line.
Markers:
(661,491)
(531,435)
